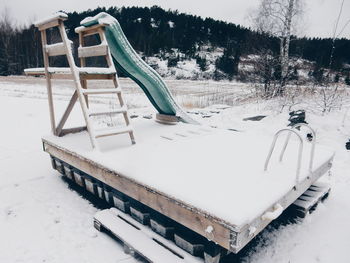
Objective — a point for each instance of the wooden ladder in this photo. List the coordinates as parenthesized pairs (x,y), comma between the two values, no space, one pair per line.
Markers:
(80,75)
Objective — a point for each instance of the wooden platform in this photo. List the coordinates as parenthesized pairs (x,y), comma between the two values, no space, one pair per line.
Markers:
(65,73)
(138,240)
(225,207)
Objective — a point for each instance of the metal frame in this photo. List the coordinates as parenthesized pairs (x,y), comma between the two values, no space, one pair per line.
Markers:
(300,151)
(312,153)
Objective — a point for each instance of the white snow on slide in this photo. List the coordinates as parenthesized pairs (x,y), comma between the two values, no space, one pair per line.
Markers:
(41,220)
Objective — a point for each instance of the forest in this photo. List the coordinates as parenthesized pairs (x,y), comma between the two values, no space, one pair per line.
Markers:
(155,31)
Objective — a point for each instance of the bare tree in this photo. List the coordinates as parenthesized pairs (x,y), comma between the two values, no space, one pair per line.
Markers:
(277,18)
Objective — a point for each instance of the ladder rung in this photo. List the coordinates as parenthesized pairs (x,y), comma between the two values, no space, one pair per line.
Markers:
(102,91)
(56,49)
(112,131)
(116,111)
(93,51)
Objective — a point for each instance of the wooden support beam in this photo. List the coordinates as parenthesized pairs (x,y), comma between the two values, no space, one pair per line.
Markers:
(48,25)
(48,82)
(55,49)
(72,130)
(93,51)
(88,31)
(68,110)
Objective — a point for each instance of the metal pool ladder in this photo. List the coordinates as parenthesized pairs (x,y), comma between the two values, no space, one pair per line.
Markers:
(293,130)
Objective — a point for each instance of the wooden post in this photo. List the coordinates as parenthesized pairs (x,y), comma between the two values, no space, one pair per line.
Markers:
(116,83)
(66,113)
(83,64)
(48,81)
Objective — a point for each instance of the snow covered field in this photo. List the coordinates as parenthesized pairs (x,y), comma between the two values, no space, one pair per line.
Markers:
(42,220)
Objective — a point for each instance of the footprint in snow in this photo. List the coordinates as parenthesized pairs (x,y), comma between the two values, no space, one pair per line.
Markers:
(10,213)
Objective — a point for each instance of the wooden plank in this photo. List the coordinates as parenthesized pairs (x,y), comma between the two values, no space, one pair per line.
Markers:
(101,91)
(61,76)
(112,131)
(93,51)
(179,211)
(83,64)
(33,73)
(56,18)
(108,112)
(101,32)
(85,76)
(58,49)
(48,25)
(88,31)
(138,240)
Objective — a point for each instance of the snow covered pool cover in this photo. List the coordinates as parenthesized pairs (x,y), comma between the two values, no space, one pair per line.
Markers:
(218,171)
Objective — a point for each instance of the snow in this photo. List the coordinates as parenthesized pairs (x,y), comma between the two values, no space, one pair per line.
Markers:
(195,155)
(100,17)
(54,16)
(41,219)
(171,24)
(142,238)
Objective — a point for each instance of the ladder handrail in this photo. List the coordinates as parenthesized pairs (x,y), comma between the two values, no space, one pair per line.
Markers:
(76,79)
(300,152)
(312,152)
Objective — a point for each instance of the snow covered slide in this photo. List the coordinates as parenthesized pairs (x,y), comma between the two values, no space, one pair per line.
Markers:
(129,62)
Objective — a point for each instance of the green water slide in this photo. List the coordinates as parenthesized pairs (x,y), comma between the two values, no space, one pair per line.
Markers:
(131,64)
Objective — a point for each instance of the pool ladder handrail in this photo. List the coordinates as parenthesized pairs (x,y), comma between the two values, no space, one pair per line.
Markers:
(300,151)
(312,152)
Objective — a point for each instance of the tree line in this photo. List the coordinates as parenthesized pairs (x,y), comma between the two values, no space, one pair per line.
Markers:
(153,31)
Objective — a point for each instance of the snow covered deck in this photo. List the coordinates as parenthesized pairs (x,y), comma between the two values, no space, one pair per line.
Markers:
(198,176)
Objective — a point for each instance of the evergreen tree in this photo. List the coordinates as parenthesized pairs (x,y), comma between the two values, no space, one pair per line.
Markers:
(202,63)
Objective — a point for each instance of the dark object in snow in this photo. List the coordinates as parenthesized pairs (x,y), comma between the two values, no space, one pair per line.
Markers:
(190,242)
(309,137)
(147,116)
(133,116)
(347,145)
(255,118)
(296,117)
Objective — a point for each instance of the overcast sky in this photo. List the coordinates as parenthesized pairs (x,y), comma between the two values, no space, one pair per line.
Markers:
(319,19)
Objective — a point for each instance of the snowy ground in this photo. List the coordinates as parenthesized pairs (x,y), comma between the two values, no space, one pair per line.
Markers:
(42,220)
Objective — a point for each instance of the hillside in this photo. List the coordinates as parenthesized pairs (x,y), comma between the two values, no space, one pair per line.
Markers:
(184,46)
